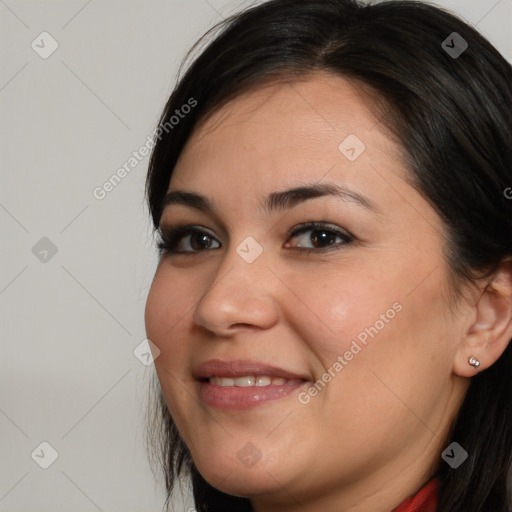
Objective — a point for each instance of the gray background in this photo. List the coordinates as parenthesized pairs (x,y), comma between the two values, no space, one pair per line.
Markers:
(71,320)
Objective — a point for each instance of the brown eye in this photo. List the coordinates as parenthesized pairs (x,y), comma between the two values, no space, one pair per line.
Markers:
(200,241)
(185,239)
(322,237)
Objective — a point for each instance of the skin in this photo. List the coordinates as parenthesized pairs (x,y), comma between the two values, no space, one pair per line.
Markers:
(373,436)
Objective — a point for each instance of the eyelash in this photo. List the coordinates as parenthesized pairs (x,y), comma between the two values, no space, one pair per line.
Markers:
(169,238)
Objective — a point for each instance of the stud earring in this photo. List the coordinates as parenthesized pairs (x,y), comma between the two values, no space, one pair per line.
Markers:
(473,361)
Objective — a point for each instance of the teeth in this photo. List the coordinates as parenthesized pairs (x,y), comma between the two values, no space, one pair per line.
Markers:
(249,380)
(263,381)
(244,382)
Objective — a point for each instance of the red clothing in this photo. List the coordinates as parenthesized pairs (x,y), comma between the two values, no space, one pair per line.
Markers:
(425,500)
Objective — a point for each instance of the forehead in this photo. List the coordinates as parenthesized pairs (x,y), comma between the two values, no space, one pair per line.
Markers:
(285,131)
(321,108)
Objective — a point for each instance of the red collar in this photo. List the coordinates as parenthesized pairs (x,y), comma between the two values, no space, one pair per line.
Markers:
(425,500)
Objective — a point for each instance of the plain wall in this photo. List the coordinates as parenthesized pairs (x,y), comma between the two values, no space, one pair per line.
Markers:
(71,320)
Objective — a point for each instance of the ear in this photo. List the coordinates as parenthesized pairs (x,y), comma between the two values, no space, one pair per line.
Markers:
(490,333)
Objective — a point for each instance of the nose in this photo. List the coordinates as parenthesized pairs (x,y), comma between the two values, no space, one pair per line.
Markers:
(241,294)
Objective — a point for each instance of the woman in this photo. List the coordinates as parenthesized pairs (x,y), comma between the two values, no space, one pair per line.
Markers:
(332,306)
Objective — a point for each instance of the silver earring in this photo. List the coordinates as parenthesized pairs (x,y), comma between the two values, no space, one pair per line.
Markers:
(473,361)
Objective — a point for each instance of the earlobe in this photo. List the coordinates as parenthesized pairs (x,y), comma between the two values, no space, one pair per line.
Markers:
(491,332)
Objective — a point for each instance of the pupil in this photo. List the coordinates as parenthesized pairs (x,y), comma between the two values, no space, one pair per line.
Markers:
(325,238)
(203,241)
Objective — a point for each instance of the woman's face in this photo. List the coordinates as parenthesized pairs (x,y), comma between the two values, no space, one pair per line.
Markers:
(356,304)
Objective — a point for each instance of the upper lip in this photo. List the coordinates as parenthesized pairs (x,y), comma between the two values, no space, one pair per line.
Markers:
(240,368)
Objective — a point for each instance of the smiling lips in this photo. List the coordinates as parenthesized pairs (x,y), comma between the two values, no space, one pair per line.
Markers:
(251,380)
(243,384)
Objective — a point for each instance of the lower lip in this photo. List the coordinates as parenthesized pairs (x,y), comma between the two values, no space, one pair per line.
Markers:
(240,398)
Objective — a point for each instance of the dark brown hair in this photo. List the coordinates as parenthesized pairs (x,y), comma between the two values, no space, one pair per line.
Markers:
(453,116)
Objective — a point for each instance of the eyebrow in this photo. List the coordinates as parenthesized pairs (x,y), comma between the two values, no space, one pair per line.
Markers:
(276,201)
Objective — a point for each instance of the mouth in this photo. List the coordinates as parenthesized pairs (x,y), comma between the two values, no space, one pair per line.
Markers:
(244,384)
(250,381)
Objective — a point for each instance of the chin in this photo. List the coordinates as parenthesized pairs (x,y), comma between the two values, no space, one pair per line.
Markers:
(246,484)
(232,477)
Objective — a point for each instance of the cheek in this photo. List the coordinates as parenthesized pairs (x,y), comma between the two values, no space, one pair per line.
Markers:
(167,308)
(337,308)
(359,323)
(165,319)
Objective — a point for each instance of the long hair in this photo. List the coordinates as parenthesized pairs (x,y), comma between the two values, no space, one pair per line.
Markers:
(449,105)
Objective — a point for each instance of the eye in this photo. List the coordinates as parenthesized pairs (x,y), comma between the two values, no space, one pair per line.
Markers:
(178,240)
(320,235)
(192,239)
